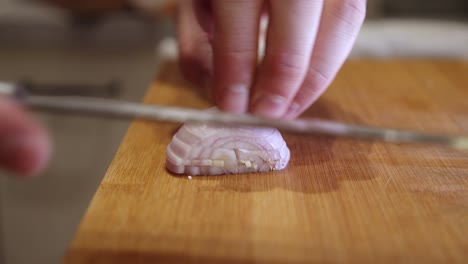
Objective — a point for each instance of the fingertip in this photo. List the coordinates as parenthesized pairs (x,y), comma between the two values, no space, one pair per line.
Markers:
(41,150)
(269,105)
(25,146)
(294,110)
(235,99)
(26,154)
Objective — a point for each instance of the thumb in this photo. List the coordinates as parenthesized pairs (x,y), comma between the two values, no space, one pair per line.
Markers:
(25,147)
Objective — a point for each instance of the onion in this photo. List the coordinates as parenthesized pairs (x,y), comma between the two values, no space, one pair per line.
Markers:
(214,150)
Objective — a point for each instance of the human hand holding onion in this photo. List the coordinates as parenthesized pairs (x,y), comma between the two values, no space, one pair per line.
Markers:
(307,42)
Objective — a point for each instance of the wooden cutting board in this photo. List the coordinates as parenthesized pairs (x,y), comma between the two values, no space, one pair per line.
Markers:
(339,201)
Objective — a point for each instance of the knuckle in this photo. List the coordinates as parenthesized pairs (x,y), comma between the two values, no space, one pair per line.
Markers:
(308,94)
(357,6)
(233,53)
(350,12)
(288,65)
(316,81)
(238,62)
(240,53)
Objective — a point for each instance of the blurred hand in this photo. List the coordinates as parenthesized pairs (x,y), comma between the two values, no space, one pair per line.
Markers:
(308,42)
(24,145)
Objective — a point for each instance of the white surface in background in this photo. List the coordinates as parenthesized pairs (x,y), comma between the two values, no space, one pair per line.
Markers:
(412,38)
(167,49)
(393,38)
(6,88)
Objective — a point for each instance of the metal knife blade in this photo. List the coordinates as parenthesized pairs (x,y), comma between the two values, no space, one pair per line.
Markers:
(128,110)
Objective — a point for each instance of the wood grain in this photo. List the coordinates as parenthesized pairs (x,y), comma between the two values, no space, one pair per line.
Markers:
(339,201)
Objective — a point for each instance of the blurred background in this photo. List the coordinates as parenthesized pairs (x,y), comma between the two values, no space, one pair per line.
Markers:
(107,48)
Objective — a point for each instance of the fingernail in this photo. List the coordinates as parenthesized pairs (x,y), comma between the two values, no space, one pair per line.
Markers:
(235,98)
(24,154)
(270,106)
(293,110)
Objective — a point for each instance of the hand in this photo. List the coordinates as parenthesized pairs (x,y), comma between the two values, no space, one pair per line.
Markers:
(307,43)
(24,145)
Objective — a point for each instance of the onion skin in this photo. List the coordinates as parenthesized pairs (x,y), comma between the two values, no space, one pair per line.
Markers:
(213,150)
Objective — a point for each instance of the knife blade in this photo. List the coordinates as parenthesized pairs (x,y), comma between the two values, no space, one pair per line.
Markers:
(110,108)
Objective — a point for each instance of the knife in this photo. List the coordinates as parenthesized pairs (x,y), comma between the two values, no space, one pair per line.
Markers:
(128,110)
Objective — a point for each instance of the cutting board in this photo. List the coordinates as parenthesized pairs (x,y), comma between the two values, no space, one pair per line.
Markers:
(338,201)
